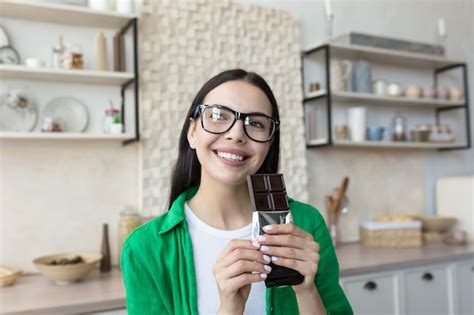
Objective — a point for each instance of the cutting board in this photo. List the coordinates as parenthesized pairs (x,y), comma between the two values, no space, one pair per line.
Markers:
(455,197)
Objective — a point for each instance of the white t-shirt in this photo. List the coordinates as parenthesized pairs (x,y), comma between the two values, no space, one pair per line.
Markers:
(208,243)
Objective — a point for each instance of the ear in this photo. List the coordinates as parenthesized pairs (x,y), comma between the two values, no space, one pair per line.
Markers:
(192,133)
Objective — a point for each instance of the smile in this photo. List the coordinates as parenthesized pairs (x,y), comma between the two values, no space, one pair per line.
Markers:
(230,156)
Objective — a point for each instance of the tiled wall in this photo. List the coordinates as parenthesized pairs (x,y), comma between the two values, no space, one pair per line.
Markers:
(183,44)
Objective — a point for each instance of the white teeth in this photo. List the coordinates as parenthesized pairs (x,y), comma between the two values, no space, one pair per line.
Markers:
(230,156)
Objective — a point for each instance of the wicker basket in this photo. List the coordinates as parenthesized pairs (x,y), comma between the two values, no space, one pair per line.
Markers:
(391,234)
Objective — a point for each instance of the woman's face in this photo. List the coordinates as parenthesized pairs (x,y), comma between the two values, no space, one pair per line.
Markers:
(229,157)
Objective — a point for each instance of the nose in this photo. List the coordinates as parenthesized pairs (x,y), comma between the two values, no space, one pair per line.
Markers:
(237,132)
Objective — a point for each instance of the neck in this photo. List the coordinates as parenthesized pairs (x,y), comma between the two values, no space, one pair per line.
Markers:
(225,207)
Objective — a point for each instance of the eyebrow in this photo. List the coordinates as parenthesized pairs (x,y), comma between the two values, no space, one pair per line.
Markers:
(249,113)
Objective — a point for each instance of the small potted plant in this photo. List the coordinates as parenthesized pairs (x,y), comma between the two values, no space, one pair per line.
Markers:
(116,127)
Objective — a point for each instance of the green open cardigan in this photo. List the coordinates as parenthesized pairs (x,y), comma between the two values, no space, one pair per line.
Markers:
(159,276)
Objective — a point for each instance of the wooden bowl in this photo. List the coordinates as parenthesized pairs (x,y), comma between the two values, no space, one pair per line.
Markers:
(8,276)
(438,224)
(69,273)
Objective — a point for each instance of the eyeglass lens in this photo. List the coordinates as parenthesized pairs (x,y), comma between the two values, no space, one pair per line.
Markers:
(219,120)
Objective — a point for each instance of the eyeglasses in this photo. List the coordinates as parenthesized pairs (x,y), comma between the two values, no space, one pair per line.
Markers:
(218,119)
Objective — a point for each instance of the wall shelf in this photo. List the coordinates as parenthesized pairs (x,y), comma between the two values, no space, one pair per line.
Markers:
(319,117)
(63,14)
(386,56)
(63,136)
(372,99)
(72,76)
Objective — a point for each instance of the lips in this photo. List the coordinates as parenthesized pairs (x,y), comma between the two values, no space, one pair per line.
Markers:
(231,157)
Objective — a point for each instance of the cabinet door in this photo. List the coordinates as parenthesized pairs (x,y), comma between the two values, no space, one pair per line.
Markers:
(426,291)
(372,294)
(465,287)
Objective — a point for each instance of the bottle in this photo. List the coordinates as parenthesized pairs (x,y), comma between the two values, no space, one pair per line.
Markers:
(129,221)
(100,52)
(105,251)
(58,51)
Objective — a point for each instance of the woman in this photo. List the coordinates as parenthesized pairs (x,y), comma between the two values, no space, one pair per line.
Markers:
(198,257)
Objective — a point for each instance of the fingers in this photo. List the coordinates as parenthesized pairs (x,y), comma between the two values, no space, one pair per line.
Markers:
(289,240)
(234,244)
(243,266)
(243,254)
(288,228)
(306,268)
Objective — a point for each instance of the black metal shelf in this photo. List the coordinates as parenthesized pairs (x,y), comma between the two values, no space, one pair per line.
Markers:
(446,65)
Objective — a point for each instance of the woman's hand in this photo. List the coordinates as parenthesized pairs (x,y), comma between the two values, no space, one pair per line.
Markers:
(289,246)
(238,266)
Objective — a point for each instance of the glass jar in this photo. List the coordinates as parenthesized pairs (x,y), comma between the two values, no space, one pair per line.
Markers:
(129,221)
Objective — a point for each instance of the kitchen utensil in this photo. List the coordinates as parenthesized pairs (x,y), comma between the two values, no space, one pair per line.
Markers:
(335,204)
(356,121)
(375,133)
(17,113)
(394,89)
(8,276)
(69,112)
(67,274)
(399,128)
(379,87)
(455,94)
(413,91)
(340,72)
(362,77)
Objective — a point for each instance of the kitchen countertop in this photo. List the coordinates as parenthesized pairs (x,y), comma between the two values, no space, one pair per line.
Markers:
(35,294)
(356,259)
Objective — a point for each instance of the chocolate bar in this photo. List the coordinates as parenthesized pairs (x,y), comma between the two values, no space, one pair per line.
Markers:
(270,205)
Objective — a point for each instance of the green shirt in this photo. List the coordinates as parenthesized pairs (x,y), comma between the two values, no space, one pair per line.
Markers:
(159,276)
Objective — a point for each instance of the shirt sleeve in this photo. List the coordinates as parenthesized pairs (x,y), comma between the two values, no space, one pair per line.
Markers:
(142,295)
(327,278)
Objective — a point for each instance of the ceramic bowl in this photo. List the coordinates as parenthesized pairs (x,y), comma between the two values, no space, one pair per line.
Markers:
(8,276)
(67,274)
(439,224)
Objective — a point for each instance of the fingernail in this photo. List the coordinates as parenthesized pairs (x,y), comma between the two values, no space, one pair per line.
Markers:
(255,244)
(264,248)
(267,258)
(261,238)
(274,258)
(267,227)
(267,268)
(263,275)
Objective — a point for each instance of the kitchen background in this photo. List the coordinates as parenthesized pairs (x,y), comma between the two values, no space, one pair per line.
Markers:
(55,194)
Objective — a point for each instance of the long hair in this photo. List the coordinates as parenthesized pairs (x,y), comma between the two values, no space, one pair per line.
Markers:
(187,171)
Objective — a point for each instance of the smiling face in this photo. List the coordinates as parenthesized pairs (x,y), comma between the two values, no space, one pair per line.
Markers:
(229,157)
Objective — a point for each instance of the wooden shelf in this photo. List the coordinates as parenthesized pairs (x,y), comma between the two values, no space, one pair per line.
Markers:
(63,136)
(72,76)
(387,56)
(397,145)
(315,95)
(63,14)
(394,100)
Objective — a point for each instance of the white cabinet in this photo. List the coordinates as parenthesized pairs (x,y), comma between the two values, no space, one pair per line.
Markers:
(464,290)
(426,291)
(431,289)
(363,291)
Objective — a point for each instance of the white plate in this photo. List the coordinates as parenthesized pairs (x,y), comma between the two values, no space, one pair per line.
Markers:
(69,112)
(17,119)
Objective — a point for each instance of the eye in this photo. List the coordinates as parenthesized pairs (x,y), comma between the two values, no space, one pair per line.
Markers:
(257,122)
(217,114)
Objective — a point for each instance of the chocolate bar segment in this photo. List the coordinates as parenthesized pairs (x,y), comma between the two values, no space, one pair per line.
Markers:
(268,192)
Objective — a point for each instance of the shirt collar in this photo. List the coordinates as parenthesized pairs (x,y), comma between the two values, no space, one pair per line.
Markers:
(175,214)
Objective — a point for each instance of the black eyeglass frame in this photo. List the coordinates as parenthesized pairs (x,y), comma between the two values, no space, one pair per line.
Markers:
(237,115)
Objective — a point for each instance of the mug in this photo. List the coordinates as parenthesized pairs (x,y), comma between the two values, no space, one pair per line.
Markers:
(375,133)
(34,62)
(379,87)
(340,72)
